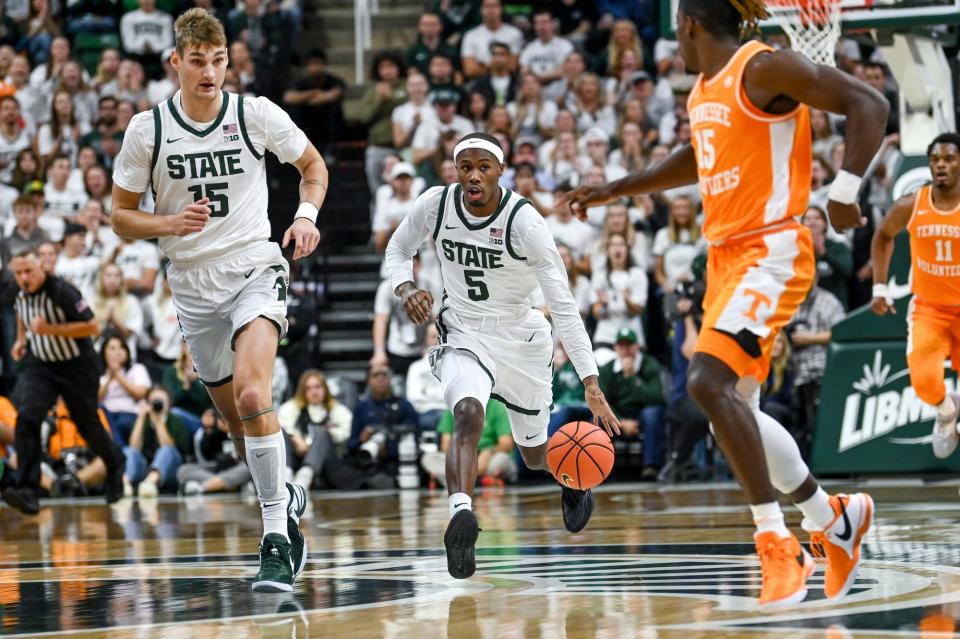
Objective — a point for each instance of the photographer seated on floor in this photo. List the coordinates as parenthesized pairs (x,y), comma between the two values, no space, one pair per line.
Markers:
(381,420)
(219,469)
(159,444)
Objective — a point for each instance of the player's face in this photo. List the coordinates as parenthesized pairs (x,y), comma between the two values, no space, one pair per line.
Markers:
(27,272)
(479,174)
(687,50)
(202,70)
(945,165)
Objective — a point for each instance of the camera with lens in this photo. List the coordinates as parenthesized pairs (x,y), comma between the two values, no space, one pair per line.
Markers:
(157,405)
(390,429)
(691,291)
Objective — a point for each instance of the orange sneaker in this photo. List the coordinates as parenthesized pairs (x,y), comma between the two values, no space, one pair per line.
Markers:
(839,543)
(786,567)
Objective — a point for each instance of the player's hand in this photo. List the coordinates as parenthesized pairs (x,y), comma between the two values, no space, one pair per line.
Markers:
(880,306)
(305,235)
(39,325)
(191,219)
(602,413)
(845,216)
(582,198)
(416,302)
(19,350)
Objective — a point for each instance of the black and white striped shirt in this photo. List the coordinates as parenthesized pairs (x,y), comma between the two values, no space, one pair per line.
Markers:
(59,302)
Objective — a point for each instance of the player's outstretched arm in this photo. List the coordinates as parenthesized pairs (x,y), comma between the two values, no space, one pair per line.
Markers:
(881,250)
(133,224)
(678,169)
(773,76)
(313,190)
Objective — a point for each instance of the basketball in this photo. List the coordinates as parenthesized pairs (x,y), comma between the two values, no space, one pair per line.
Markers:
(580,455)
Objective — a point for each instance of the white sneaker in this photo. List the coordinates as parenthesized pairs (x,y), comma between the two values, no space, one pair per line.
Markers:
(147,490)
(840,543)
(945,431)
(192,487)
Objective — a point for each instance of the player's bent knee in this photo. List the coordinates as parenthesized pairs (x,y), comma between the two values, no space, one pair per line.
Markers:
(702,386)
(468,416)
(251,400)
(929,388)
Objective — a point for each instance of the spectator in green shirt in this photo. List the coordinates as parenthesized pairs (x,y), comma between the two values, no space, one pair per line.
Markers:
(495,448)
(387,92)
(569,404)
(633,386)
(429,42)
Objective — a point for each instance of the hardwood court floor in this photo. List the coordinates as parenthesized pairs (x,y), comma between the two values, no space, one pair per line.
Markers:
(653,564)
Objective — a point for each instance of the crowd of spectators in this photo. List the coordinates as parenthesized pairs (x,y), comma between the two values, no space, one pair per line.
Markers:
(575,91)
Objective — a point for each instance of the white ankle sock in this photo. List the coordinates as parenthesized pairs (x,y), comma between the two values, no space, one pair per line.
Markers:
(458,502)
(266,458)
(946,407)
(818,509)
(769,518)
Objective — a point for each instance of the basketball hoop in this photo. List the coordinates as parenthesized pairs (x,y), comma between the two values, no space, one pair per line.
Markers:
(812,25)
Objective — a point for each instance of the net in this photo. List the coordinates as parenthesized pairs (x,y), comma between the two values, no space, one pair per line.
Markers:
(813,26)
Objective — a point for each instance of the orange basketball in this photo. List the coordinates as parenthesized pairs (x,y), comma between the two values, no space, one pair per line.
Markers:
(580,455)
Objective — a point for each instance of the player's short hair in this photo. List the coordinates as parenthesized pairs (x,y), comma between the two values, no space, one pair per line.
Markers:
(944,138)
(730,18)
(198,28)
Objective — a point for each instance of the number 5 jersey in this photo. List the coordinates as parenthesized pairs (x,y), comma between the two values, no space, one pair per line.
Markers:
(185,161)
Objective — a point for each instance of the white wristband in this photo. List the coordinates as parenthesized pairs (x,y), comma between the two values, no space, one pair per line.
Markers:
(307,210)
(845,188)
(881,290)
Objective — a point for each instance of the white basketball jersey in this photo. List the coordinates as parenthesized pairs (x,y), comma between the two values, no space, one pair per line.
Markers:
(219,163)
(483,274)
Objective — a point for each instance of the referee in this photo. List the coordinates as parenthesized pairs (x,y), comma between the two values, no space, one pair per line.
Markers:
(54,327)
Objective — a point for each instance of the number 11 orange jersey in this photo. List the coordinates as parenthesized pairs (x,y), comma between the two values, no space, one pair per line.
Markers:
(754,167)
(935,249)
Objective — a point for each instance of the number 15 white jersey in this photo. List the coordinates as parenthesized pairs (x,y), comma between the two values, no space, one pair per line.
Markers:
(184,161)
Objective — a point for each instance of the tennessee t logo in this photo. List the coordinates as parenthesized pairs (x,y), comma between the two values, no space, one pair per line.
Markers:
(758,299)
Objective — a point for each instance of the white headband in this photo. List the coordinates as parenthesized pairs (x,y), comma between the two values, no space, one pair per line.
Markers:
(478,143)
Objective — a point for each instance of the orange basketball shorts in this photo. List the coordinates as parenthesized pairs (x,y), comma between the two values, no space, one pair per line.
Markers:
(933,334)
(754,284)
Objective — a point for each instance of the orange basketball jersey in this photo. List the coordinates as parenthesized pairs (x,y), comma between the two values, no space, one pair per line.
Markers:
(935,250)
(754,167)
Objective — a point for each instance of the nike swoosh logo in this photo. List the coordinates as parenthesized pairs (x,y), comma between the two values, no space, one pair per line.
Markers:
(458,505)
(169,141)
(247,275)
(259,455)
(847,529)
(529,437)
(450,228)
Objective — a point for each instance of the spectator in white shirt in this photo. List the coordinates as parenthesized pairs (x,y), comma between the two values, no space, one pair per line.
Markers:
(163,335)
(396,339)
(567,229)
(530,113)
(62,133)
(60,201)
(45,76)
(13,136)
(427,139)
(408,117)
(167,86)
(146,31)
(594,153)
(629,156)
(74,264)
(139,261)
(544,56)
(31,101)
(116,310)
(616,222)
(387,217)
(100,240)
(475,48)
(423,391)
(97,184)
(525,183)
(590,107)
(562,90)
(675,246)
(619,295)
(579,283)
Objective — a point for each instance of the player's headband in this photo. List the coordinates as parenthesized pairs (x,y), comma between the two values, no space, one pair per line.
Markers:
(478,143)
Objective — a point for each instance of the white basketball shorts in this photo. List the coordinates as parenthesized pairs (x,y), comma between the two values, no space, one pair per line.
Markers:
(216,299)
(508,360)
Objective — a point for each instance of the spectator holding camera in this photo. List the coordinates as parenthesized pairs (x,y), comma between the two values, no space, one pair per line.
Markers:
(221,469)
(379,419)
(317,424)
(674,248)
(634,389)
(158,446)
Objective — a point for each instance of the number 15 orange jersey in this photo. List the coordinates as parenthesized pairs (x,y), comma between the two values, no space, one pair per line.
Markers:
(754,167)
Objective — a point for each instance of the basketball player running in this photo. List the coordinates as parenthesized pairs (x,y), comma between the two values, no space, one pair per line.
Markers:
(751,154)
(202,152)
(494,250)
(932,217)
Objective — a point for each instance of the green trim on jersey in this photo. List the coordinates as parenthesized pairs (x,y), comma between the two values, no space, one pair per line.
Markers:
(157,140)
(243,130)
(514,407)
(441,327)
(506,241)
(200,134)
(443,201)
(457,193)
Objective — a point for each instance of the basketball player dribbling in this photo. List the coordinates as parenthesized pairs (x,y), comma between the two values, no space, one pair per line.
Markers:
(751,154)
(932,217)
